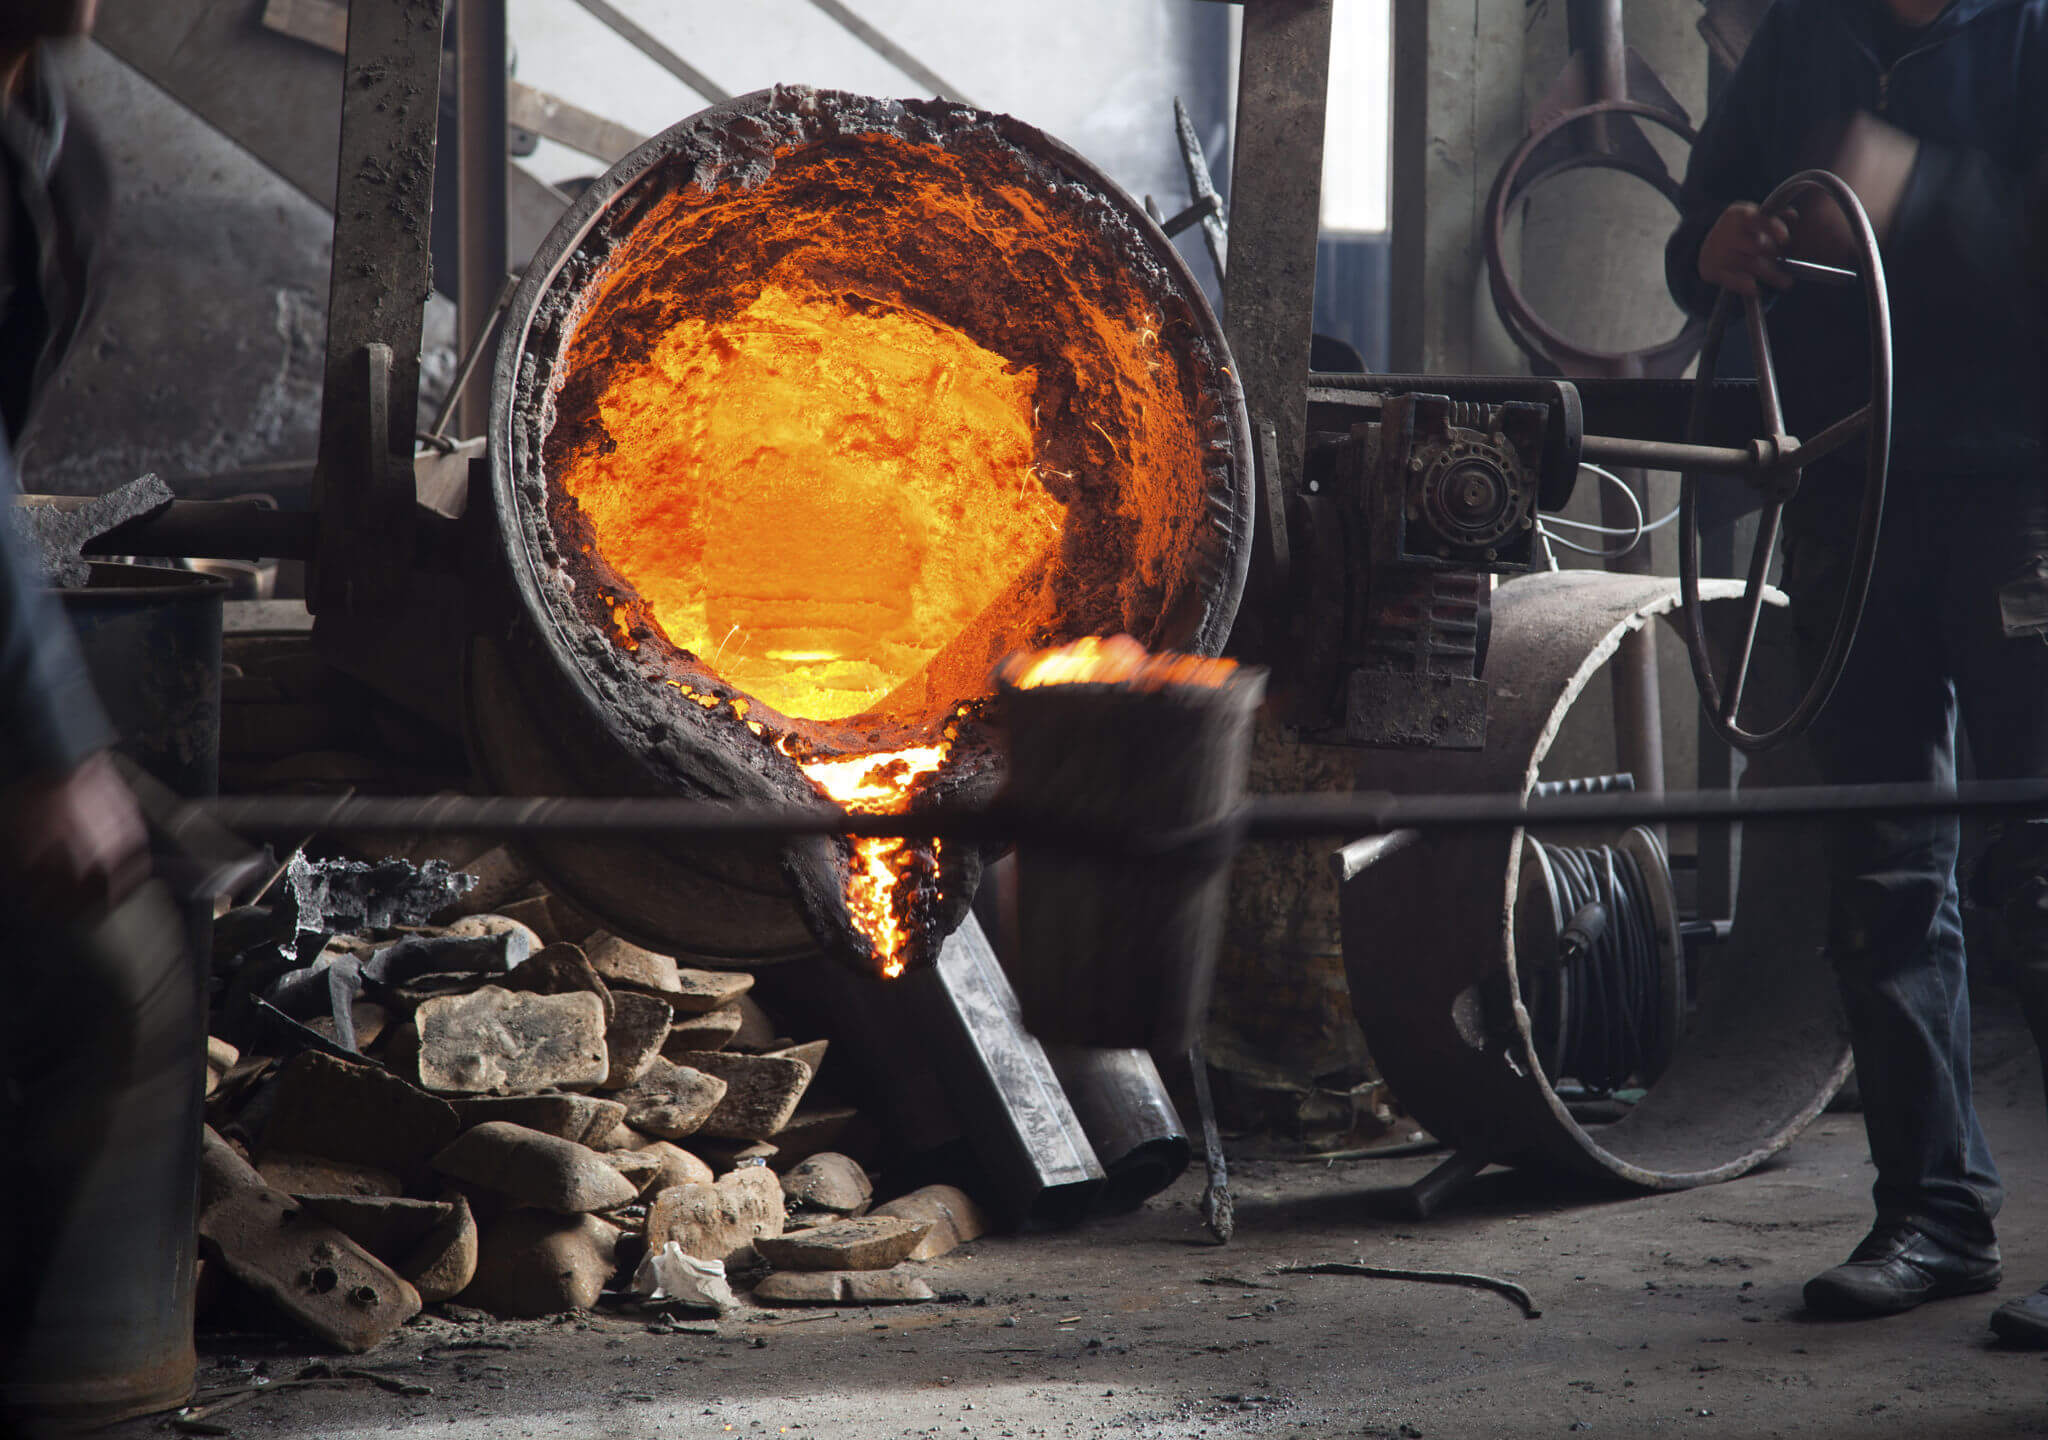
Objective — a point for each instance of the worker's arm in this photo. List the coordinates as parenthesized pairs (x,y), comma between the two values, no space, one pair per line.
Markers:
(1728,173)
(71,838)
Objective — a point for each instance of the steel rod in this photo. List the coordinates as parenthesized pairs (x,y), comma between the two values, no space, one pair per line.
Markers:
(1666,455)
(1849,427)
(889,50)
(1346,814)
(1753,605)
(470,359)
(654,50)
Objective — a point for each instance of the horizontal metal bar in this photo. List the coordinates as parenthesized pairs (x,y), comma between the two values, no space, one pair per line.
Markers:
(202,529)
(1640,409)
(556,119)
(1344,814)
(1666,455)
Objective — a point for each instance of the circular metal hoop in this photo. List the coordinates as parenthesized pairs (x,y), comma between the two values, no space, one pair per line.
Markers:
(1529,330)
(1722,705)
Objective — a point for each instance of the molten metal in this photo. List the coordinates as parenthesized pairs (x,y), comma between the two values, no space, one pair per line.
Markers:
(884,871)
(843,400)
(1119,660)
(816,494)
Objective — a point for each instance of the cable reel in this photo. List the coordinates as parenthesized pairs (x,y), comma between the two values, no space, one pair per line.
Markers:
(1599,960)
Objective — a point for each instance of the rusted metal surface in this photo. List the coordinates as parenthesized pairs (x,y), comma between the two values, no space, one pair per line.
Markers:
(383,209)
(1276,185)
(151,639)
(337,1291)
(1767,1046)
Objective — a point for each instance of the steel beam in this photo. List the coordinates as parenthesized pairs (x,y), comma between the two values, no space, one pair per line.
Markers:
(1276,189)
(481,193)
(383,215)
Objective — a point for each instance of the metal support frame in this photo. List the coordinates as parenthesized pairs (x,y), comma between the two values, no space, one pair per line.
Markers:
(481,193)
(1276,188)
(383,210)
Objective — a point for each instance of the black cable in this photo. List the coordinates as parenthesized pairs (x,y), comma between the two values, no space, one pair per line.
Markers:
(1598,1013)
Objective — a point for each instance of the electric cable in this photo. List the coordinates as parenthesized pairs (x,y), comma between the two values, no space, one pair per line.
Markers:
(1597,1013)
(1635,534)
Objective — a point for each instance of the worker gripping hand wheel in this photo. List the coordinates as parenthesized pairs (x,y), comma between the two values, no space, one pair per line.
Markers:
(1777,475)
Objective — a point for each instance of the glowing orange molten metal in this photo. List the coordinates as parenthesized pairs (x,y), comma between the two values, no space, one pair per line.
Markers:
(839,427)
(815,498)
(878,785)
(1119,660)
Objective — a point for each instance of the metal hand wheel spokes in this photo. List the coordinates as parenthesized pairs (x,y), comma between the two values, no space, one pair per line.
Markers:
(1778,477)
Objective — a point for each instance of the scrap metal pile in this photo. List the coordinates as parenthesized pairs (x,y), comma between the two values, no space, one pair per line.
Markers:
(439,1092)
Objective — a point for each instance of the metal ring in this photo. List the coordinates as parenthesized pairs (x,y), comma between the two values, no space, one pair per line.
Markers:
(1530,332)
(1877,459)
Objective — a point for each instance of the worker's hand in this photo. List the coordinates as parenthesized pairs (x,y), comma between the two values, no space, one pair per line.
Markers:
(1742,250)
(73,843)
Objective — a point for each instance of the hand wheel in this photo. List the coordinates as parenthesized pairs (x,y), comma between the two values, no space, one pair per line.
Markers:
(1777,474)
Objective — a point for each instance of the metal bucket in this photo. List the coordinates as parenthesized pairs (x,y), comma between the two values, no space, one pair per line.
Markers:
(151,641)
(1119,950)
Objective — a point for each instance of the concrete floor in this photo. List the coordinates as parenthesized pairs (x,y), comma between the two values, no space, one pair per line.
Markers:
(1672,1313)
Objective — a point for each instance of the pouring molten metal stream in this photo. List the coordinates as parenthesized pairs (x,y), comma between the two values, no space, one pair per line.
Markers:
(883,868)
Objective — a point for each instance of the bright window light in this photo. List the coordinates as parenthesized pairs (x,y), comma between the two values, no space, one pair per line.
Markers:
(1355,136)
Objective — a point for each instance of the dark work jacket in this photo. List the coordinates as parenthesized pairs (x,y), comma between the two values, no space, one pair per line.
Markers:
(53,204)
(1974,89)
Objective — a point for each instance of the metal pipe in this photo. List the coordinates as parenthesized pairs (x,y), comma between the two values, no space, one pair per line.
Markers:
(1345,814)
(1129,1119)
(1667,455)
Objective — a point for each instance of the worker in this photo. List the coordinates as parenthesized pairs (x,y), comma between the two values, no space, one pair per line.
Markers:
(102,1023)
(1935,113)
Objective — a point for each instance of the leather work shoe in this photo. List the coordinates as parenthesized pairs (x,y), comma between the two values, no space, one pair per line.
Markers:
(1898,1267)
(2024,1321)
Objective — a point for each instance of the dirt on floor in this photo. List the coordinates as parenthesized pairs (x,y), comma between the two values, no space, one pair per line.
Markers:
(1675,1313)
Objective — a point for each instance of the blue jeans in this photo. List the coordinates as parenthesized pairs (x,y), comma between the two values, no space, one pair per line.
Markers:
(1956,571)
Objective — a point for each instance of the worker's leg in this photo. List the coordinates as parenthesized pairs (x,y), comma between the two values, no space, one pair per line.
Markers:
(105,1046)
(1996,594)
(1895,933)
